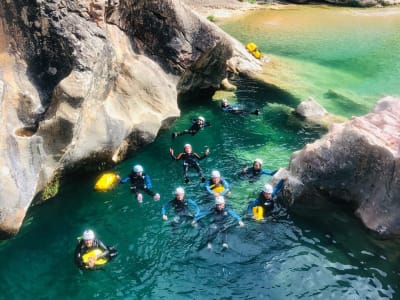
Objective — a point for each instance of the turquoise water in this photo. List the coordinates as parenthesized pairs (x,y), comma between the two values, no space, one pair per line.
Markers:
(290,257)
(345,58)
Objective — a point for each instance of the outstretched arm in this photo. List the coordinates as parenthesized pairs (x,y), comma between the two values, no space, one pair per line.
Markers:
(202,214)
(164,210)
(234,215)
(266,172)
(226,187)
(194,204)
(278,187)
(125,180)
(147,181)
(250,207)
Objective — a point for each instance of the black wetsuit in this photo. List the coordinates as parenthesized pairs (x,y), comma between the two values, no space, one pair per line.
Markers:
(238,110)
(219,223)
(139,183)
(81,249)
(193,129)
(190,161)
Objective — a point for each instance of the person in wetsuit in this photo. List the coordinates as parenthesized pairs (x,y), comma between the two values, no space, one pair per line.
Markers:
(140,182)
(219,221)
(197,125)
(87,243)
(236,109)
(190,161)
(181,208)
(266,199)
(215,184)
(253,173)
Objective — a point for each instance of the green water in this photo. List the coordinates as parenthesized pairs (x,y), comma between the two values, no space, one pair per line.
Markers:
(289,258)
(344,58)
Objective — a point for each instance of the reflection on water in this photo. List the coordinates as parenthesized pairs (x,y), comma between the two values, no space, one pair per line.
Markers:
(285,257)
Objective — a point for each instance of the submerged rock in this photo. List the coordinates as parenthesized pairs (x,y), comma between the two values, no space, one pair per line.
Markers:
(309,112)
(89,82)
(356,163)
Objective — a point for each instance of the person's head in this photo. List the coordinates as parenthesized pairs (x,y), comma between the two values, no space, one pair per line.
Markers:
(215,176)
(220,202)
(187,148)
(179,193)
(200,120)
(224,102)
(88,237)
(267,190)
(137,169)
(257,164)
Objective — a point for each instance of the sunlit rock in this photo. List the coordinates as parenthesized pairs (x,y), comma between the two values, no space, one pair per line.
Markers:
(356,163)
(89,82)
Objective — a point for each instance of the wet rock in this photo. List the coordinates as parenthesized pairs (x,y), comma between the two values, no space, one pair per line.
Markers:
(357,164)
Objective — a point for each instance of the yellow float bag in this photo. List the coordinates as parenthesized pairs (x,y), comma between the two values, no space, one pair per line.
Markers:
(92,253)
(217,188)
(258,212)
(106,182)
(251,47)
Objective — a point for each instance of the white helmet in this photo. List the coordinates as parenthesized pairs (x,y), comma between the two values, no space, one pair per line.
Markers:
(201,118)
(187,145)
(137,169)
(224,100)
(179,191)
(258,160)
(88,235)
(267,188)
(215,174)
(219,200)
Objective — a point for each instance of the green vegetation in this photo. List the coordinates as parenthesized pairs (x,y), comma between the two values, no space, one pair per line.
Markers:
(50,190)
(211,18)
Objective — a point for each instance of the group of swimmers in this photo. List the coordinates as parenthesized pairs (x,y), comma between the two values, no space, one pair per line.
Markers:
(186,209)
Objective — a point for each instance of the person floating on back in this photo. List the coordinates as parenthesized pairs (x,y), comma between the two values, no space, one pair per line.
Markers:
(253,173)
(236,109)
(184,209)
(190,160)
(91,252)
(260,208)
(140,182)
(219,216)
(197,125)
(216,185)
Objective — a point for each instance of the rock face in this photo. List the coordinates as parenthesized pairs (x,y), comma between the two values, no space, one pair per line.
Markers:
(355,163)
(91,81)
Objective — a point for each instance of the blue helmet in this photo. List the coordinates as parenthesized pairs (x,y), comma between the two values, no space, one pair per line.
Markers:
(137,168)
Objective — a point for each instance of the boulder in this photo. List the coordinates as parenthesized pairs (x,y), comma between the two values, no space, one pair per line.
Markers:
(87,83)
(311,113)
(357,164)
